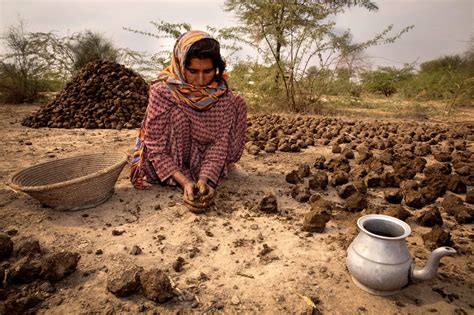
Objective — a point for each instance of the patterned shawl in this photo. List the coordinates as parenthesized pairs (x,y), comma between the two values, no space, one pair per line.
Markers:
(200,98)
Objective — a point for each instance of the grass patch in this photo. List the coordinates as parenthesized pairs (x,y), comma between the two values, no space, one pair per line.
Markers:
(369,106)
(393,107)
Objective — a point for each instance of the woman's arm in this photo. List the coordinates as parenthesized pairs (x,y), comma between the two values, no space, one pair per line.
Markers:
(229,145)
(158,133)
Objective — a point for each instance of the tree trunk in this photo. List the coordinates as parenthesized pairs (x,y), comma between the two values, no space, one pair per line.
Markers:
(277,58)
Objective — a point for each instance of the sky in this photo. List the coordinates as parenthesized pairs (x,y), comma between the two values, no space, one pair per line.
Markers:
(442,27)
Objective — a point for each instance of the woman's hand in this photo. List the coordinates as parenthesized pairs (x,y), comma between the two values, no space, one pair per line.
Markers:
(198,196)
(188,192)
(192,199)
(206,192)
(188,186)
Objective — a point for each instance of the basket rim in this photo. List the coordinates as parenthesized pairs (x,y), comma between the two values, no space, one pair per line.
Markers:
(42,188)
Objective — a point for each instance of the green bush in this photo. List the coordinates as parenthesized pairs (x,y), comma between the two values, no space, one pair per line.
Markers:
(90,46)
(385,80)
(22,65)
(448,78)
(36,62)
(18,87)
(257,84)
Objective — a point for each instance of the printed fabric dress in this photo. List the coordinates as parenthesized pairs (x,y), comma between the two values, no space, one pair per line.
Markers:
(199,131)
(177,137)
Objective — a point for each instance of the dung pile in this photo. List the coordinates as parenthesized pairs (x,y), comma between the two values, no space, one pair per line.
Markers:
(103,94)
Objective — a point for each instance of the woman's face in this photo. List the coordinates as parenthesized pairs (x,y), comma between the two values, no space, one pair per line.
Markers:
(200,72)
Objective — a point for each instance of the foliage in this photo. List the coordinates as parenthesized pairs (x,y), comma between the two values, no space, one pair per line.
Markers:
(164,30)
(89,46)
(24,66)
(293,34)
(340,81)
(36,62)
(386,80)
(150,65)
(449,78)
(255,82)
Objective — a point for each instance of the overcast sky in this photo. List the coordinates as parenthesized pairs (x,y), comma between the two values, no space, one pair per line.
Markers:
(442,27)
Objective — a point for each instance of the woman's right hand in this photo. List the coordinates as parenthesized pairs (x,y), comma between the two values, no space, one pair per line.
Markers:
(188,192)
(198,196)
(187,185)
(207,193)
(192,192)
(191,198)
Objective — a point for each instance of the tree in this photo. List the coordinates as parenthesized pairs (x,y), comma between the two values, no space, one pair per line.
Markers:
(90,46)
(449,78)
(71,53)
(35,61)
(150,65)
(292,34)
(253,81)
(24,65)
(171,31)
(386,80)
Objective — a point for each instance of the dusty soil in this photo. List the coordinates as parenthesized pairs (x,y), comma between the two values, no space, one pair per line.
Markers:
(231,259)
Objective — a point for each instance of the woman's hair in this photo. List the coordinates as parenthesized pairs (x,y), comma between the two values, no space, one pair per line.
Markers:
(207,48)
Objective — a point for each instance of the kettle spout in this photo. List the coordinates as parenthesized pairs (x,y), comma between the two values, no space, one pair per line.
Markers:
(430,270)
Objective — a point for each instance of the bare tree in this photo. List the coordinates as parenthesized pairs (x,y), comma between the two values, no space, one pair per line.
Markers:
(24,64)
(295,33)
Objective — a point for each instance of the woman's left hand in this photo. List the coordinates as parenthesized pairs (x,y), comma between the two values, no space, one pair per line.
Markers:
(203,196)
(206,192)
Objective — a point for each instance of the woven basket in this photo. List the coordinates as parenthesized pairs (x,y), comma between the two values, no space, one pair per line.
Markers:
(73,183)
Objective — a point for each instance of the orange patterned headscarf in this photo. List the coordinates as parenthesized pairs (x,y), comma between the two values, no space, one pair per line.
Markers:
(200,98)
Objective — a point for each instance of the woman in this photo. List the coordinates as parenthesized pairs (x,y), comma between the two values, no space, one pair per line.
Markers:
(194,128)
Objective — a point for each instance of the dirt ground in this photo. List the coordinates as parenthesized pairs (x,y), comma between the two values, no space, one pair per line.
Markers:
(227,266)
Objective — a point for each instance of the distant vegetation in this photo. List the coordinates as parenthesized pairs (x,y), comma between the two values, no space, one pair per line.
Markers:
(449,79)
(37,62)
(298,67)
